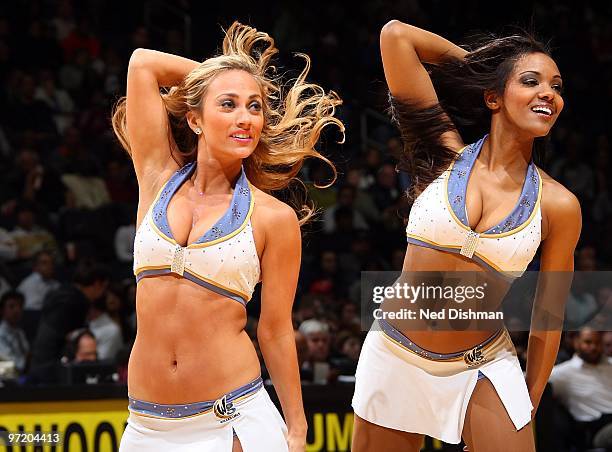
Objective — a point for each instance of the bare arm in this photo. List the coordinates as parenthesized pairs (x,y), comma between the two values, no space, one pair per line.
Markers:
(280,269)
(404,48)
(557,265)
(146,116)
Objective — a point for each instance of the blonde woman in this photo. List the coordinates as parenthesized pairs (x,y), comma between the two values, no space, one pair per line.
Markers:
(207,154)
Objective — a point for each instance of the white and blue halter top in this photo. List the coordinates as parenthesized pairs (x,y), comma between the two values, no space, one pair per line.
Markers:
(438,219)
(224,260)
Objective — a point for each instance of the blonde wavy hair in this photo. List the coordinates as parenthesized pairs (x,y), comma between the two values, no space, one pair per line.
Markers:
(294,117)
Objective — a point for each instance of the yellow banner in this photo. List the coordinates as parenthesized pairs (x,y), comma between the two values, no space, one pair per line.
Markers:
(92,425)
(97,426)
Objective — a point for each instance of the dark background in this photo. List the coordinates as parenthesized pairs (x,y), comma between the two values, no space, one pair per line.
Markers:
(63,65)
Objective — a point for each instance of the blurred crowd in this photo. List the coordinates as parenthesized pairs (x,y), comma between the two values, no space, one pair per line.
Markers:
(68,193)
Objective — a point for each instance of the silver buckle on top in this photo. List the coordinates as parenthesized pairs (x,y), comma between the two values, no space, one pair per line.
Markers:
(178,261)
(470,244)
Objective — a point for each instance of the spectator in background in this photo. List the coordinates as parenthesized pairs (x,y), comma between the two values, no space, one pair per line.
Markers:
(42,185)
(57,100)
(107,333)
(310,306)
(584,386)
(31,181)
(84,181)
(606,340)
(81,346)
(603,318)
(124,243)
(120,185)
(35,288)
(77,74)
(566,347)
(81,38)
(5,286)
(320,175)
(30,237)
(385,191)
(348,348)
(37,284)
(124,239)
(318,339)
(118,311)
(581,304)
(13,343)
(301,345)
(349,318)
(363,200)
(586,259)
(8,246)
(65,310)
(346,200)
(30,114)
(327,280)
(63,21)
(341,238)
(353,262)
(373,161)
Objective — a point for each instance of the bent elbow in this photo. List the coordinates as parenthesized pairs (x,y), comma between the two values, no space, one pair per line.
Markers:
(138,58)
(391,30)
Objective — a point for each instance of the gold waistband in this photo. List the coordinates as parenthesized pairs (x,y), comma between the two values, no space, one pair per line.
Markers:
(474,358)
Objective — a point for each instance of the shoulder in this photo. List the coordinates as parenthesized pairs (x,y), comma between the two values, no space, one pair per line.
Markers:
(272,211)
(558,203)
(30,280)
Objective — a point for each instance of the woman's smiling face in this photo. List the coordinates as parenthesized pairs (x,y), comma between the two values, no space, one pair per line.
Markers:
(532,98)
(232,115)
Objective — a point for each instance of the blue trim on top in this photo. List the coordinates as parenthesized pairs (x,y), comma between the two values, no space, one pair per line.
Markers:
(234,217)
(155,272)
(178,411)
(195,279)
(160,208)
(507,276)
(457,188)
(217,289)
(231,220)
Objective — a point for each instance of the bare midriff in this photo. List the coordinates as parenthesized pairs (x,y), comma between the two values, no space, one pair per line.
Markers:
(446,339)
(190,346)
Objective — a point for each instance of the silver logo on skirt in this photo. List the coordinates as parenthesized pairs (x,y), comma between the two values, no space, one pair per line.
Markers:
(223,409)
(474,357)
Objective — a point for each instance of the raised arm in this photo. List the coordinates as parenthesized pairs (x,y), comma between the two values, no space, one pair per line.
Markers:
(404,49)
(557,265)
(280,269)
(147,122)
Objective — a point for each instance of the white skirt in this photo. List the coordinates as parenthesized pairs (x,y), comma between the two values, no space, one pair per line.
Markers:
(256,422)
(393,390)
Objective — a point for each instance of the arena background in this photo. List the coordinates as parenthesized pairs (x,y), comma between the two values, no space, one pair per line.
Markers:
(68,192)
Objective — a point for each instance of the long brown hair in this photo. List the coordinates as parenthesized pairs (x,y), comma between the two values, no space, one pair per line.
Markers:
(460,86)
